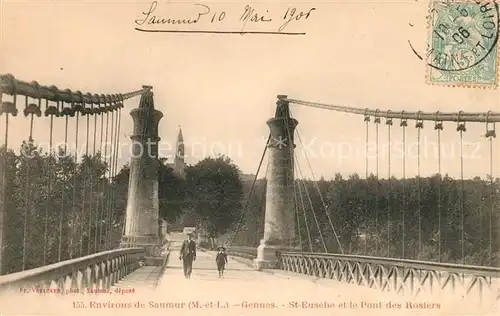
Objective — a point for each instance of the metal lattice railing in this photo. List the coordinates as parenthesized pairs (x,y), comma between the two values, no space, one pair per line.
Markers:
(101,270)
(402,277)
(243,252)
(406,277)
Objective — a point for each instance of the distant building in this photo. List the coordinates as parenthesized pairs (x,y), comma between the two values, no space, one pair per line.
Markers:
(179,164)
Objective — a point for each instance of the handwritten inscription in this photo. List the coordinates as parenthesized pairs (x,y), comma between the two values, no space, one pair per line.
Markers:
(204,15)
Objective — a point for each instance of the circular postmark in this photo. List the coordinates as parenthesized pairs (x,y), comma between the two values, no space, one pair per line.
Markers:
(463,33)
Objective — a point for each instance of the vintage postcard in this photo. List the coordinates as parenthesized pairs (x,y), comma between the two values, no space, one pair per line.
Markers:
(239,158)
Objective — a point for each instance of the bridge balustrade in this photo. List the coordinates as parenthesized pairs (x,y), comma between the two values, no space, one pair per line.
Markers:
(406,277)
(98,271)
(243,252)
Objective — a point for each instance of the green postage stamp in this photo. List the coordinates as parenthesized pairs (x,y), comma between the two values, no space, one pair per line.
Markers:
(463,43)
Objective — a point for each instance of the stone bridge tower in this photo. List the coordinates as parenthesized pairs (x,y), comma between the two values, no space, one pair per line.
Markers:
(142,214)
(279,225)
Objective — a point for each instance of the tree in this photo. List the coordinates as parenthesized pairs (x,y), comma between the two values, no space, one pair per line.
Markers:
(215,193)
(251,229)
(54,207)
(172,192)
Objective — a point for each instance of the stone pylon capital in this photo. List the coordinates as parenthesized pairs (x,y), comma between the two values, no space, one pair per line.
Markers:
(146,123)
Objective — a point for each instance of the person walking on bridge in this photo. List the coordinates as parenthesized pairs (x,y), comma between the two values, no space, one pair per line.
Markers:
(221,260)
(188,255)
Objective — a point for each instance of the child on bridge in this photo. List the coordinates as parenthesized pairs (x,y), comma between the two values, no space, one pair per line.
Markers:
(221,260)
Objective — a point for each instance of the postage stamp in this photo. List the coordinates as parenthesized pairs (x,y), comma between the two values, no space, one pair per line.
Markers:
(463,43)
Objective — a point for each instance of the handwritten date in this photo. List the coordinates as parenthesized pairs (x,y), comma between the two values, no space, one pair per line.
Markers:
(204,14)
(291,14)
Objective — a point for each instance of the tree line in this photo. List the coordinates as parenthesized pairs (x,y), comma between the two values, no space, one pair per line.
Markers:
(435,218)
(57,208)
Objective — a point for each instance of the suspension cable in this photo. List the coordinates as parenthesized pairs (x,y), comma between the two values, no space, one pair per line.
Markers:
(320,195)
(100,190)
(85,176)
(115,165)
(403,124)
(11,85)
(112,180)
(2,193)
(290,137)
(296,207)
(291,152)
(388,122)
(262,205)
(439,127)
(118,147)
(104,186)
(251,192)
(305,216)
(12,111)
(14,87)
(461,128)
(73,212)
(299,228)
(115,171)
(27,202)
(366,120)
(419,125)
(37,109)
(49,187)
(109,180)
(297,215)
(377,184)
(91,180)
(312,208)
(63,183)
(426,116)
(490,134)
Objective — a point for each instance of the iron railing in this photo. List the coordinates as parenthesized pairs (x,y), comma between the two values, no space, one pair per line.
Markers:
(405,277)
(101,271)
(243,252)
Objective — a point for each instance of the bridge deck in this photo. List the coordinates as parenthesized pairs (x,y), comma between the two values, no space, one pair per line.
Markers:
(242,292)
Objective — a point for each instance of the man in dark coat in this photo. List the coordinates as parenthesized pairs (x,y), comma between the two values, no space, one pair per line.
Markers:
(188,255)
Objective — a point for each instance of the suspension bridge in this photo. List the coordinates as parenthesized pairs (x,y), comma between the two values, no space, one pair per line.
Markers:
(60,232)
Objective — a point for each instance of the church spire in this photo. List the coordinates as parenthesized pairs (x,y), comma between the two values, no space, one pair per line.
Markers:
(180,144)
(180,139)
(179,163)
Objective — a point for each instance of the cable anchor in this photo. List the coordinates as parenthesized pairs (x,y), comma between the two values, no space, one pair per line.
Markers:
(438,124)
(9,107)
(67,110)
(490,132)
(404,121)
(388,120)
(377,117)
(420,122)
(460,124)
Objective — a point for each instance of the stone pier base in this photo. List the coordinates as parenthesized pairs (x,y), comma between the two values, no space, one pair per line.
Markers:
(266,257)
(152,244)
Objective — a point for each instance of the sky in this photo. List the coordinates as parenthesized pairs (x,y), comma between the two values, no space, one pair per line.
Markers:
(222,88)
